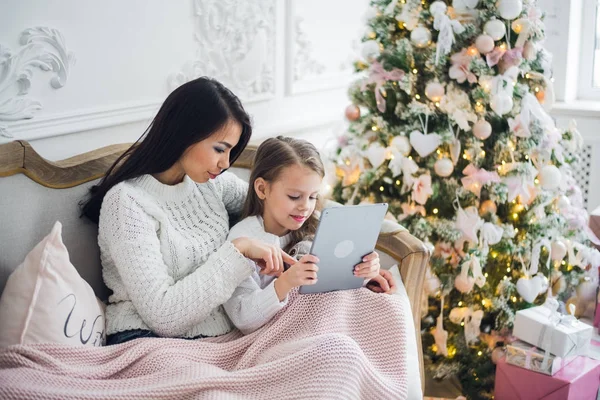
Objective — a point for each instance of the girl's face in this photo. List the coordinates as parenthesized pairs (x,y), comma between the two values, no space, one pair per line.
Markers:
(207,159)
(290,199)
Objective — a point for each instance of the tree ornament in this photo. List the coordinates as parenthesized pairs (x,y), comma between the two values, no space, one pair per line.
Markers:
(420,36)
(529,288)
(487,207)
(509,9)
(484,44)
(501,103)
(495,29)
(543,282)
(443,167)
(352,112)
(438,7)
(464,5)
(434,91)
(370,50)
(529,51)
(541,96)
(482,129)
(424,144)
(559,283)
(432,282)
(550,177)
(440,334)
(558,250)
(402,144)
(376,154)
(563,202)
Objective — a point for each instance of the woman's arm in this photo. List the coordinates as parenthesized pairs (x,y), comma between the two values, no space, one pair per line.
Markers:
(169,308)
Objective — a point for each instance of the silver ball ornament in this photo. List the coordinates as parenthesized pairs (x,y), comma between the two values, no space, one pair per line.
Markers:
(495,29)
(420,36)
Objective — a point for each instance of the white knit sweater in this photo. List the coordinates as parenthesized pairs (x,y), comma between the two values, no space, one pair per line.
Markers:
(166,258)
(255,301)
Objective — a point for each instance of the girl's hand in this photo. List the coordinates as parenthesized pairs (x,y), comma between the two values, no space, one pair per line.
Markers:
(303,272)
(268,257)
(383,283)
(369,268)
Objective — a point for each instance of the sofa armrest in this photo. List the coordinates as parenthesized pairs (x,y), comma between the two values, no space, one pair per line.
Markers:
(412,257)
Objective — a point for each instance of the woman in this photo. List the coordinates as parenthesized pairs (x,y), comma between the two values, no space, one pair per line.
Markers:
(163,214)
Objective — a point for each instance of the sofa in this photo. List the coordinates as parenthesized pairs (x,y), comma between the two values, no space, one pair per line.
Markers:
(36,192)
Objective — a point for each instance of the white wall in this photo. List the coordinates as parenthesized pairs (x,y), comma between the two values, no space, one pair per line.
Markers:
(289,61)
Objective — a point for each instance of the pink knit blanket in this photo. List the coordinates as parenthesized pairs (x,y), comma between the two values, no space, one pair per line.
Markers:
(341,345)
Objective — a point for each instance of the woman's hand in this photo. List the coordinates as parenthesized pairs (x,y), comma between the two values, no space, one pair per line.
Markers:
(383,283)
(268,257)
(303,272)
(369,268)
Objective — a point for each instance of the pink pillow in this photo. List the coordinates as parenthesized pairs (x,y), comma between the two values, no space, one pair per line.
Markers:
(45,300)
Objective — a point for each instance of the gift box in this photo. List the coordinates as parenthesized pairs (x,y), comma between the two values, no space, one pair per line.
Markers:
(530,357)
(579,380)
(562,335)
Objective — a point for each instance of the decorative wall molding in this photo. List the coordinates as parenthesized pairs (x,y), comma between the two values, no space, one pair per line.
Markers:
(236,45)
(84,120)
(43,48)
(304,64)
(319,58)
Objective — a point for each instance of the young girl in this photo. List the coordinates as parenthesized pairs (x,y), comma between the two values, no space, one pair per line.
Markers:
(280,210)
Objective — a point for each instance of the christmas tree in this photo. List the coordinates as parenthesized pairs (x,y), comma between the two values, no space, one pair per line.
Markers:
(450,126)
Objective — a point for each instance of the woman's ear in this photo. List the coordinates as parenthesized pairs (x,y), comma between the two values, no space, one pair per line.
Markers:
(260,187)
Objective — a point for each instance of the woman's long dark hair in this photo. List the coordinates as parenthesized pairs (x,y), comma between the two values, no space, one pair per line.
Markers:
(272,157)
(190,114)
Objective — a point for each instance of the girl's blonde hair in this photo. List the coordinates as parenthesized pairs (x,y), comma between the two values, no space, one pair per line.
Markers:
(272,156)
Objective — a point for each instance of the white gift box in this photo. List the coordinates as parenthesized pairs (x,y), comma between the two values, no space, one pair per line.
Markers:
(563,339)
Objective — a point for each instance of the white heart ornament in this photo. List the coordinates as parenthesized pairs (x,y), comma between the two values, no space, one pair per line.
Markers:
(376,154)
(424,145)
(559,250)
(529,288)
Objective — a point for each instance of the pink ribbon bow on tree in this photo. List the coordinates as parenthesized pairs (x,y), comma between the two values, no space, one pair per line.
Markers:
(476,178)
(379,76)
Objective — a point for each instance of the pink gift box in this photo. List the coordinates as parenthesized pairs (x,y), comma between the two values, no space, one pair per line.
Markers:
(579,380)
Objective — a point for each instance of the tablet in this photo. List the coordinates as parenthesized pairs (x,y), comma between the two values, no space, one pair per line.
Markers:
(344,236)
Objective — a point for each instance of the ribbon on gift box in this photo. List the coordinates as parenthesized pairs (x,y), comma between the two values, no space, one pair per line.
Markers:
(528,355)
(555,319)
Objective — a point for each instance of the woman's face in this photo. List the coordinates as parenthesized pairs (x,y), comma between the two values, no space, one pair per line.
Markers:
(290,199)
(207,159)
